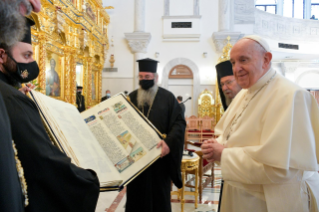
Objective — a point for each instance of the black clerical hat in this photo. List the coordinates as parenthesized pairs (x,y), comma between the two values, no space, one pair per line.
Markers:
(79,87)
(27,36)
(223,69)
(147,65)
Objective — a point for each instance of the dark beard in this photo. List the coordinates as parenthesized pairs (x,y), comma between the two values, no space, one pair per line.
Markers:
(10,68)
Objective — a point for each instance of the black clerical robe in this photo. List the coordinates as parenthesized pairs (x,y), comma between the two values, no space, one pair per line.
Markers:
(183,108)
(150,191)
(80,102)
(104,98)
(11,199)
(54,183)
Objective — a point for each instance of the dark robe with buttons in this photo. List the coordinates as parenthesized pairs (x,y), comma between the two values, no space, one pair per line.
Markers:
(54,183)
(80,102)
(150,191)
(11,199)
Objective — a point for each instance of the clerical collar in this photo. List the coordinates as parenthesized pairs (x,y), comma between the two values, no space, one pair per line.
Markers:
(261,81)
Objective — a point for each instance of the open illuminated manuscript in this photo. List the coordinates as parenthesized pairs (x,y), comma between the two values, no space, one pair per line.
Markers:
(112,138)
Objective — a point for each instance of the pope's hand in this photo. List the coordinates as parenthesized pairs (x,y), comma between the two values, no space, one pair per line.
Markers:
(165,148)
(212,150)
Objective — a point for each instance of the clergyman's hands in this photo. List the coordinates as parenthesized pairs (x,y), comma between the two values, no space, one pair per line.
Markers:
(212,150)
(27,88)
(165,148)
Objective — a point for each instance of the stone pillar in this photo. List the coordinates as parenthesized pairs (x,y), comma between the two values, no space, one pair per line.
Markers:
(196,7)
(307,10)
(225,25)
(139,39)
(166,7)
(138,43)
(280,8)
(139,16)
(224,8)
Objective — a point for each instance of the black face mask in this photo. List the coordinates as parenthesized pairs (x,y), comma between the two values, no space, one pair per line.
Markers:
(146,84)
(25,72)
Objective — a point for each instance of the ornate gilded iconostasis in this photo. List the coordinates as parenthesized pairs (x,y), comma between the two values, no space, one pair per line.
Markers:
(70,41)
(206,104)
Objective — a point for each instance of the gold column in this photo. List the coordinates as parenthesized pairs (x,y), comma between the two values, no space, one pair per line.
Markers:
(89,82)
(73,76)
(42,61)
(67,75)
(100,86)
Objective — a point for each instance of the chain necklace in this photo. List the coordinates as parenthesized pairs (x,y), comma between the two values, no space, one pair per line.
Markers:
(235,120)
(23,182)
(149,110)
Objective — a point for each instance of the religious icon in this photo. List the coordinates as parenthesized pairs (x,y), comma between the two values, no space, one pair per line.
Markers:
(52,85)
(89,11)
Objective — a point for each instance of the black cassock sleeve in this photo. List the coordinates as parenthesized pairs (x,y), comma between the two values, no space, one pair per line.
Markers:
(175,140)
(11,199)
(54,183)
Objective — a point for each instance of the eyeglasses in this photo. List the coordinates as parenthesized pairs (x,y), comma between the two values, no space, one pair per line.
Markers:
(146,77)
(227,83)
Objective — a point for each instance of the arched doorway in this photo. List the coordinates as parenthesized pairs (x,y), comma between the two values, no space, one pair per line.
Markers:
(172,79)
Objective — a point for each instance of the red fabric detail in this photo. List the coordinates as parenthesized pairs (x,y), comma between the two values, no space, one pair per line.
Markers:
(205,162)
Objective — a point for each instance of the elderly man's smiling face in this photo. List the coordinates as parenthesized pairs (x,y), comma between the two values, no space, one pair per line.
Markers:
(250,62)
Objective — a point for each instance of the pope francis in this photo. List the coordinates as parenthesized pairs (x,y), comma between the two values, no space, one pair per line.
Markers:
(268,144)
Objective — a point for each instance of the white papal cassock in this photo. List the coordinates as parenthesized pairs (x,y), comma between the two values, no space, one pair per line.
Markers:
(271,159)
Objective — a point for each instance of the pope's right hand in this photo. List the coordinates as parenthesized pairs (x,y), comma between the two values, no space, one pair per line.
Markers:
(208,150)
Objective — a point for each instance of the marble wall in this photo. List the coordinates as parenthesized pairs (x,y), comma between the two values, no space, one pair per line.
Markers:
(281,28)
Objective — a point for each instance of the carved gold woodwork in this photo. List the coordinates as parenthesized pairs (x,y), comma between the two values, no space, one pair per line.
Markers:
(189,164)
(70,33)
(206,104)
(219,110)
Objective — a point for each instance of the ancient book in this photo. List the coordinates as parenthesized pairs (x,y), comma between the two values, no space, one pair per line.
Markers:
(112,138)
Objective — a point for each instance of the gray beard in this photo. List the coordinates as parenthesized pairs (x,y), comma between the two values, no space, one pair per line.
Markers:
(228,101)
(146,96)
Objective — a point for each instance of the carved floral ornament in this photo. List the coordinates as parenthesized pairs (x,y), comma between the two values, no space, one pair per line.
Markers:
(138,45)
(222,39)
(138,42)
